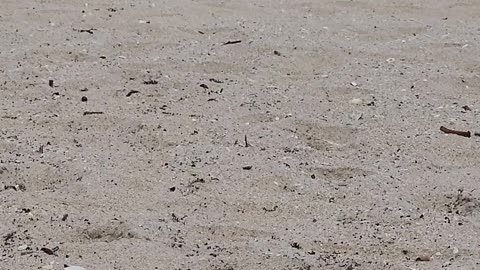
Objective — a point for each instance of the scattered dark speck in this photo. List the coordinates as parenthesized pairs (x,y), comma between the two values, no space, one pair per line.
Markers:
(151,82)
(295,245)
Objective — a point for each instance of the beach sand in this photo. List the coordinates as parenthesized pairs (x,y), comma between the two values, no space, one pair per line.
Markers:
(246,134)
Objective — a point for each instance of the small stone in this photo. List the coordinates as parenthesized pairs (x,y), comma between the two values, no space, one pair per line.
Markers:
(84,99)
(356,101)
(22,247)
(455,250)
(447,263)
(354,84)
(73,267)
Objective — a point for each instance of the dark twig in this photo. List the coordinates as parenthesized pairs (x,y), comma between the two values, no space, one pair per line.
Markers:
(90,31)
(132,92)
(271,209)
(246,141)
(91,113)
(456,132)
(232,42)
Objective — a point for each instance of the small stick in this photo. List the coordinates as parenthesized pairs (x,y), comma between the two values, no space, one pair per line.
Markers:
(232,42)
(91,113)
(456,132)
(246,141)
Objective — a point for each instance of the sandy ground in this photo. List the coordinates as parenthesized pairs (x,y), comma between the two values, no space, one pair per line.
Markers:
(135,157)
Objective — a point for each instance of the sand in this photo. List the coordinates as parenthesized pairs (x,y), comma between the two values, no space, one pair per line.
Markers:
(244,134)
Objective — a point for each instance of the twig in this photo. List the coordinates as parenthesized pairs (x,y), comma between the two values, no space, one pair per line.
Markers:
(456,132)
(271,209)
(90,31)
(232,42)
(246,141)
(132,92)
(90,113)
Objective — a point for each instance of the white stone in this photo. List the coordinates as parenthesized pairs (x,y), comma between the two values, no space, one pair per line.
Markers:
(73,267)
(22,247)
(356,101)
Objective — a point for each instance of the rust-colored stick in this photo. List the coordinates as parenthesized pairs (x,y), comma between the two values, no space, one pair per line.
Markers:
(456,132)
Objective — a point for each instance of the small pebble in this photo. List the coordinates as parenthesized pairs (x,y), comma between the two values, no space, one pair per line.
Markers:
(354,83)
(22,247)
(356,101)
(84,99)
(73,267)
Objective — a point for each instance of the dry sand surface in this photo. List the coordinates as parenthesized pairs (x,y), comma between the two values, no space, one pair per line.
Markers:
(135,156)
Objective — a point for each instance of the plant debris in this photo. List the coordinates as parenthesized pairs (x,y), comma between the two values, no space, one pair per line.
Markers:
(456,132)
(295,245)
(19,187)
(150,82)
(132,92)
(90,31)
(232,42)
(92,113)
(215,80)
(423,258)
(271,209)
(50,251)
